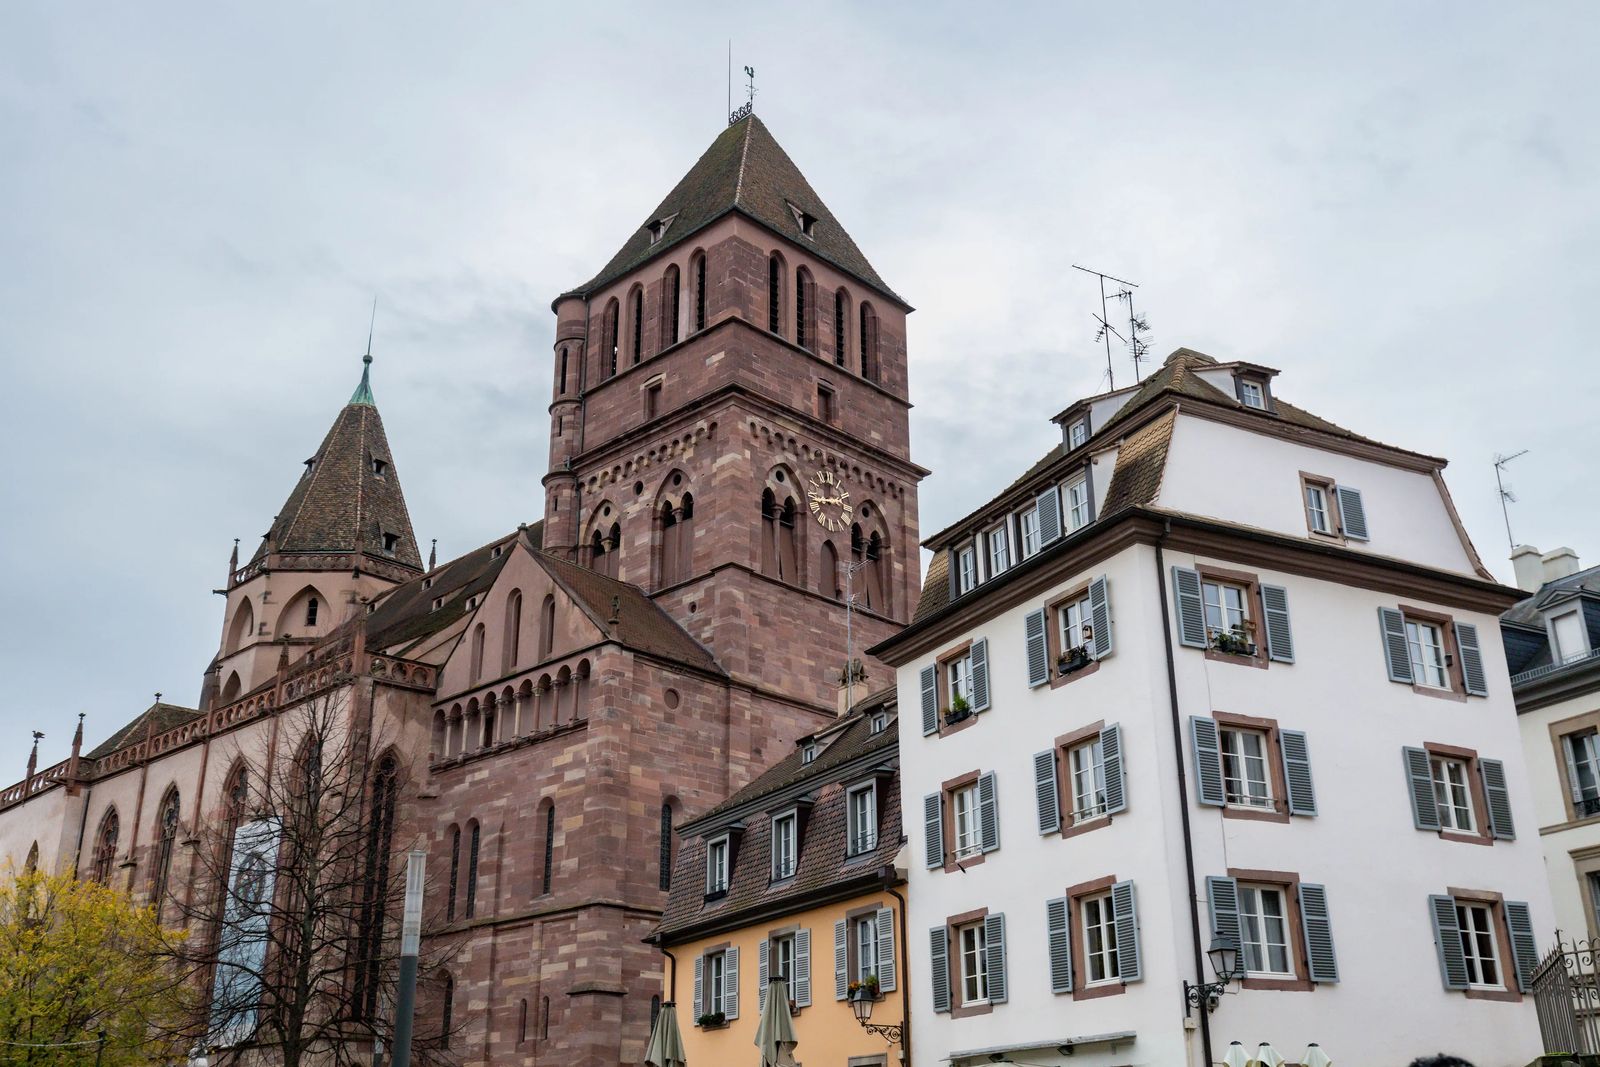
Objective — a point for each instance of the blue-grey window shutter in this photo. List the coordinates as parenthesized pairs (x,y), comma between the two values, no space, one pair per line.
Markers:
(1447,939)
(884,928)
(933,829)
(1392,626)
(730,984)
(1352,514)
(1038,655)
(1100,616)
(1419,782)
(1223,896)
(1207,746)
(1318,930)
(1191,610)
(1111,758)
(939,957)
(930,700)
(763,958)
(1046,791)
(1280,639)
(1049,505)
(1471,659)
(1124,909)
(994,935)
(699,987)
(988,812)
(1524,949)
(1059,937)
(1499,800)
(1297,772)
(980,674)
(802,968)
(841,961)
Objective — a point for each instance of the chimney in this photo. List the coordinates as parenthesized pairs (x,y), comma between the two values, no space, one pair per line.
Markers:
(1529,569)
(1559,563)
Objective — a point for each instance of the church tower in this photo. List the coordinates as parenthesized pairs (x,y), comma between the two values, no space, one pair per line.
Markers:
(342,537)
(729,424)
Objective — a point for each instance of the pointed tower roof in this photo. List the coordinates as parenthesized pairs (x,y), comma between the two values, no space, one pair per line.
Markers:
(744,170)
(348,500)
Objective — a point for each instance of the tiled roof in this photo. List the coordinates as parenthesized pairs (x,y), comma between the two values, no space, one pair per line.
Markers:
(744,170)
(822,860)
(406,614)
(935,587)
(159,717)
(1523,633)
(341,503)
(642,624)
(1141,460)
(1529,612)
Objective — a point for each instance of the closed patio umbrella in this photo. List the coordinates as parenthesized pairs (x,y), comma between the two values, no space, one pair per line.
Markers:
(1315,1057)
(1236,1056)
(666,1041)
(775,1036)
(1267,1056)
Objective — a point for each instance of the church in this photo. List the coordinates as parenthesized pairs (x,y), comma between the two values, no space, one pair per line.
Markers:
(729,466)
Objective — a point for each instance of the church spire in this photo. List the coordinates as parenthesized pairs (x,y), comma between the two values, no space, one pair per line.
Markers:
(363,393)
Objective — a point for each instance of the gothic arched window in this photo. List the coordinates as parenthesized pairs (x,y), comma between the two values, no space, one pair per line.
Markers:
(664,878)
(548,875)
(105,847)
(670,549)
(788,546)
(869,583)
(608,342)
(698,265)
(473,835)
(828,572)
(636,319)
(769,534)
(613,552)
(841,316)
(774,293)
(547,626)
(802,309)
(166,842)
(476,667)
(513,636)
(32,863)
(685,563)
(447,1011)
(375,888)
(669,295)
(869,342)
(455,873)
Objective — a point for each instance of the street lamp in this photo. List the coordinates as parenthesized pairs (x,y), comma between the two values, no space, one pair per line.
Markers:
(861,1003)
(1224,957)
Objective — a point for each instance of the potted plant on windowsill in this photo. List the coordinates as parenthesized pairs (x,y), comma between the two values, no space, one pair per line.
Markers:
(711,1020)
(1073,659)
(866,989)
(959,710)
(1234,642)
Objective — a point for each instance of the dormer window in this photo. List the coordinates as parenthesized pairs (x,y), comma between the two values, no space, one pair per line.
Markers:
(494,553)
(808,753)
(880,721)
(718,853)
(379,466)
(1252,395)
(805,220)
(1568,641)
(1077,433)
(438,602)
(427,583)
(311,464)
(391,544)
(658,227)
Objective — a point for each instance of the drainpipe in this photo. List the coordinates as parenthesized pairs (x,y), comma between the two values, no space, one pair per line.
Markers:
(1183,790)
(904,981)
(672,975)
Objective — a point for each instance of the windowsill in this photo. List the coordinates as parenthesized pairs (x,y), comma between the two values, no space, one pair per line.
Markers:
(1257,660)
(1111,988)
(1282,983)
(1500,993)
(711,1026)
(716,895)
(1465,838)
(964,1011)
(1252,813)
(964,863)
(1437,693)
(1083,826)
(774,883)
(1057,679)
(945,729)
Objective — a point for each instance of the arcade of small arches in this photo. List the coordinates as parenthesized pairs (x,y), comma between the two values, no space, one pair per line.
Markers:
(556,699)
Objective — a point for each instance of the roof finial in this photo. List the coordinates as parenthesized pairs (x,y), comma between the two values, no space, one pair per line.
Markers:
(433,554)
(750,101)
(363,393)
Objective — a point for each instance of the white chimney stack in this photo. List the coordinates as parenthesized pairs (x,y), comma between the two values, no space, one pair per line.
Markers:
(1529,568)
(1559,562)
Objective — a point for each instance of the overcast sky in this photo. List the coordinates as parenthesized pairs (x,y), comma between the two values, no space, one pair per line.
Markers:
(1394,204)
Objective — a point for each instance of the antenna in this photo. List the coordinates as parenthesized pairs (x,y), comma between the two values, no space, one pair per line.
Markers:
(1106,331)
(370,324)
(1506,495)
(1138,347)
(730,77)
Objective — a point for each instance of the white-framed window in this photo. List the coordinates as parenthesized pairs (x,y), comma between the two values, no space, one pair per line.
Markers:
(1264,928)
(1583,770)
(863,809)
(866,931)
(1086,764)
(1593,878)
(1099,941)
(1226,610)
(966,570)
(1077,433)
(717,865)
(1426,642)
(1570,642)
(1317,509)
(1478,945)
(1077,500)
(958,676)
(1452,794)
(1245,779)
(1252,395)
(880,721)
(783,960)
(999,550)
(1072,618)
(964,813)
(785,845)
(716,973)
(973,948)
(1028,523)
(808,753)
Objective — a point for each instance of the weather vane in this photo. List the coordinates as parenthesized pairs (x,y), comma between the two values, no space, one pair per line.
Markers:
(750,103)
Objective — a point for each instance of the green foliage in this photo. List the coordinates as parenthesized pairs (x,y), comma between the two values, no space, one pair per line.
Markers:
(78,960)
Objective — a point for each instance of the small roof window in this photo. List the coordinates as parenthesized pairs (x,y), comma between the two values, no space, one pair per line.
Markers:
(379,466)
(657,228)
(391,543)
(805,220)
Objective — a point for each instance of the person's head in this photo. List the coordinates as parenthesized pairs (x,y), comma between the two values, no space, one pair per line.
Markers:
(1440,1060)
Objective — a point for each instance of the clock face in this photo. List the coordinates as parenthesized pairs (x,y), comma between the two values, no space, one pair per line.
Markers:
(830,501)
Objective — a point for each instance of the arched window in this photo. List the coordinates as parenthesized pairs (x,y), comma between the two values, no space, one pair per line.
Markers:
(455,873)
(670,549)
(788,548)
(489,715)
(769,534)
(230,691)
(670,296)
(685,537)
(608,341)
(774,294)
(32,863)
(561,381)
(244,625)
(869,342)
(311,611)
(699,267)
(447,1012)
(476,668)
(828,571)
(440,735)
(803,334)
(655,1010)
(375,888)
(636,319)
(513,635)
(869,582)
(841,316)
(548,875)
(166,842)
(105,847)
(606,550)
(664,877)
(522,1021)
(472,868)
(547,626)
(544,1020)
(580,691)
(235,803)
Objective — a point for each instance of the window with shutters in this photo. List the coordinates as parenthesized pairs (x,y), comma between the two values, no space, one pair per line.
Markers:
(780,960)
(1577,749)
(1476,923)
(1486,944)
(1257,771)
(1321,508)
(1452,795)
(1078,508)
(964,815)
(861,804)
(1245,779)
(1432,652)
(1078,783)
(714,998)
(718,853)
(1099,941)
(1093,939)
(998,541)
(1232,615)
(1282,926)
(958,679)
(1264,931)
(1071,635)
(1425,641)
(785,845)
(1028,525)
(1458,794)
(864,947)
(1228,623)
(962,821)
(972,954)
(1086,771)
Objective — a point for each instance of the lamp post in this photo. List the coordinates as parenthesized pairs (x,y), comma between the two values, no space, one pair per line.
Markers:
(410,943)
(861,1004)
(1224,957)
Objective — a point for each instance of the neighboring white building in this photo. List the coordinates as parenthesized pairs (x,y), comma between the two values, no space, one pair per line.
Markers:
(1552,644)
(1229,668)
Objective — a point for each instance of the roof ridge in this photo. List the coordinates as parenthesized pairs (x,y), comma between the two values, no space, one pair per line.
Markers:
(744,155)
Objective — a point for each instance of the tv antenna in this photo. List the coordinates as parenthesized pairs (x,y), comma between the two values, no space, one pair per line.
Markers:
(1506,495)
(1106,331)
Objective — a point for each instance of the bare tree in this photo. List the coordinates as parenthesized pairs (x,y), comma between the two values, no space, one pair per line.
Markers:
(297,895)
